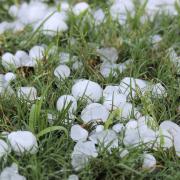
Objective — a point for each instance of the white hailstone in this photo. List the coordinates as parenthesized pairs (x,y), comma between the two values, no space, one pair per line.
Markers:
(113,101)
(173,55)
(124,153)
(123,66)
(177,145)
(3,27)
(80,8)
(87,89)
(24,59)
(13,11)
(147,121)
(32,12)
(73,177)
(99,128)
(141,135)
(9,61)
(77,65)
(5,88)
(78,133)
(9,77)
(67,101)
(62,72)
(10,173)
(51,118)
(4,148)
(18,27)
(132,124)
(129,86)
(147,136)
(132,137)
(82,152)
(127,110)
(171,127)
(149,162)
(99,16)
(55,24)
(64,57)
(174,130)
(65,6)
(155,39)
(22,142)
(107,69)
(108,54)
(107,138)
(94,112)
(37,52)
(165,139)
(120,8)
(2,81)
(118,127)
(27,93)
(111,90)
(158,91)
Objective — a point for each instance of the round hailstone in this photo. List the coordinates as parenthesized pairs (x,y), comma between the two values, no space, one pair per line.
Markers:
(23,141)
(80,8)
(81,154)
(73,177)
(124,153)
(64,57)
(37,52)
(65,6)
(132,137)
(9,77)
(67,101)
(177,145)
(27,93)
(13,11)
(111,90)
(113,101)
(118,127)
(25,59)
(62,72)
(158,91)
(156,39)
(11,172)
(109,54)
(2,81)
(108,138)
(18,26)
(55,24)
(164,140)
(9,61)
(99,128)
(127,110)
(132,124)
(4,148)
(94,112)
(78,133)
(123,66)
(149,163)
(171,127)
(129,86)
(77,65)
(32,12)
(108,69)
(87,89)
(99,16)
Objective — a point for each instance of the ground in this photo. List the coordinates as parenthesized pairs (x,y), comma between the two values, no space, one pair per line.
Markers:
(53,160)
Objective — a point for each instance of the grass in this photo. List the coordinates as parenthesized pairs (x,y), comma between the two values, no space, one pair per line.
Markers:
(53,160)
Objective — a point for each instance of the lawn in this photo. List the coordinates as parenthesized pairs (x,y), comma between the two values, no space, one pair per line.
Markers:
(89,90)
